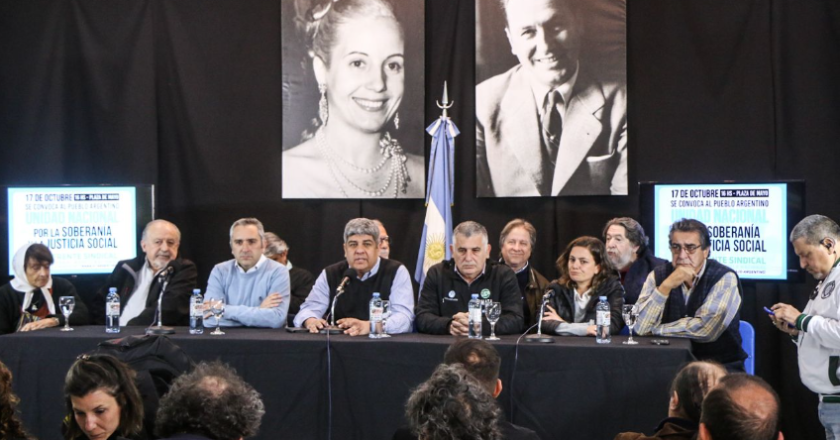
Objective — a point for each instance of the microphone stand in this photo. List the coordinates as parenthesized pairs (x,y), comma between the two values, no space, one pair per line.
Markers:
(332,328)
(539,337)
(161,329)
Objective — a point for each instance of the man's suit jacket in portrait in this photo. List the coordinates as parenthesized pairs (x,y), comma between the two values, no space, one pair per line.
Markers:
(592,155)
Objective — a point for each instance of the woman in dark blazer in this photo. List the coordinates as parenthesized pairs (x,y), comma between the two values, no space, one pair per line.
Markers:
(585,274)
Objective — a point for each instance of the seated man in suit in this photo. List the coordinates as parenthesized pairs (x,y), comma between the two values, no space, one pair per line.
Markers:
(449,285)
(301,279)
(255,289)
(139,281)
(548,126)
(361,273)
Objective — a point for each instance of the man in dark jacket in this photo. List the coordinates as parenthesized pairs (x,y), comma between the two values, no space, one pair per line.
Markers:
(449,285)
(627,250)
(139,281)
(516,242)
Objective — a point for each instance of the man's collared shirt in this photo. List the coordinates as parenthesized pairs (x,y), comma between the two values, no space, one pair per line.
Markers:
(708,323)
(541,92)
(137,301)
(401,297)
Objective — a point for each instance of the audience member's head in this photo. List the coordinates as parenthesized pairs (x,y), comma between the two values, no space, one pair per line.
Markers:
(740,407)
(690,386)
(101,399)
(10,425)
(212,401)
(480,359)
(452,404)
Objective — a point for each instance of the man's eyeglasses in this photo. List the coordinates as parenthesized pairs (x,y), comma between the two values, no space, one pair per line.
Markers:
(688,248)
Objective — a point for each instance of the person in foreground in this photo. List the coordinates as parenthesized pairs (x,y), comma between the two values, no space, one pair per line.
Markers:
(740,407)
(816,330)
(585,275)
(139,281)
(449,285)
(210,403)
(628,251)
(31,300)
(453,404)
(254,288)
(482,361)
(365,272)
(694,297)
(516,242)
(11,427)
(102,401)
(688,389)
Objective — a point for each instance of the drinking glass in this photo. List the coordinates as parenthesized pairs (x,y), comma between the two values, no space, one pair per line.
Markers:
(630,312)
(67,304)
(217,306)
(493,312)
(386,313)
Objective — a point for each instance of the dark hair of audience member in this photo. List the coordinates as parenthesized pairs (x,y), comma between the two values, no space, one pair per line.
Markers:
(10,425)
(728,419)
(212,401)
(452,404)
(104,372)
(692,383)
(478,357)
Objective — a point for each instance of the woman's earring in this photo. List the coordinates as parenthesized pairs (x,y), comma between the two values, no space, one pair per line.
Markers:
(397,121)
(323,106)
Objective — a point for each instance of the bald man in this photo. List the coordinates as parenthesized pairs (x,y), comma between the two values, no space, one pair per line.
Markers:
(740,407)
(139,280)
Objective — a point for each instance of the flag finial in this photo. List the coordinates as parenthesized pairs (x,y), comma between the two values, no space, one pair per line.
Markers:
(446,104)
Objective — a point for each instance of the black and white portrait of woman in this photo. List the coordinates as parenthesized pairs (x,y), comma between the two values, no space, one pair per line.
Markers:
(353,99)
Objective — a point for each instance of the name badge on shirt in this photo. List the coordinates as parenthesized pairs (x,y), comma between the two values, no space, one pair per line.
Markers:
(450,296)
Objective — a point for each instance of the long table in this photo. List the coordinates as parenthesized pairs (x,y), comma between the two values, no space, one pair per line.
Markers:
(572,389)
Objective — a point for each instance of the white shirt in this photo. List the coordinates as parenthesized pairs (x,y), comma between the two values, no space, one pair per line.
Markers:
(581,301)
(137,300)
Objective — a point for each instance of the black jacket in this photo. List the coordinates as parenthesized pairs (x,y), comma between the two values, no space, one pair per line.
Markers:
(563,301)
(11,301)
(445,293)
(176,301)
(301,282)
(638,273)
(509,432)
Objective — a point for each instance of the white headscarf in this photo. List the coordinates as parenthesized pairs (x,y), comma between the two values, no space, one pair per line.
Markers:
(21,283)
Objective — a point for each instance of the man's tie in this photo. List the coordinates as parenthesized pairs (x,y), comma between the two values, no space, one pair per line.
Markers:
(552,127)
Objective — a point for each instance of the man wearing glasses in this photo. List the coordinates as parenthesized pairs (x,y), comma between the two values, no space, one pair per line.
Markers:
(694,297)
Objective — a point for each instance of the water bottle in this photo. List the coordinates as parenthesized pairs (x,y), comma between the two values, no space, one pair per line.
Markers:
(376,311)
(112,311)
(474,309)
(196,313)
(602,321)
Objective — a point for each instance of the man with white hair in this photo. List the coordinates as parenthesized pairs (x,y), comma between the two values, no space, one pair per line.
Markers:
(139,281)
(301,280)
(449,285)
(255,289)
(362,273)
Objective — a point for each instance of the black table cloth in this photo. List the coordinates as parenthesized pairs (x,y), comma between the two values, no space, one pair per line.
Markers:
(572,389)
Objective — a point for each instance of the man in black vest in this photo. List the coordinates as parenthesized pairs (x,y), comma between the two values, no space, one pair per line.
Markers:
(694,297)
(361,274)
(449,285)
(628,251)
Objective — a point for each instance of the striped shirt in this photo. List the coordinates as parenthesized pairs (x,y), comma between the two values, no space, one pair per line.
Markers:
(707,324)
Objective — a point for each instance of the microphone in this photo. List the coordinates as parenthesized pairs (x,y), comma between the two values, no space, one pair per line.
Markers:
(348,275)
(163,279)
(539,337)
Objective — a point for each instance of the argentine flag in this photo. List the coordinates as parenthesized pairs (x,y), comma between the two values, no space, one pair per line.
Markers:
(437,228)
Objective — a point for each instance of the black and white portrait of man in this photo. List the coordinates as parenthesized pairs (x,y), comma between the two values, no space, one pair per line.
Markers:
(551,108)
(353,76)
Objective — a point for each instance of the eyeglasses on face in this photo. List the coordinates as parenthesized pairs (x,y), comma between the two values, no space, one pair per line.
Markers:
(688,248)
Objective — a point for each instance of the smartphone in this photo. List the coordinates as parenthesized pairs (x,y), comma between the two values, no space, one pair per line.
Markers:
(297,329)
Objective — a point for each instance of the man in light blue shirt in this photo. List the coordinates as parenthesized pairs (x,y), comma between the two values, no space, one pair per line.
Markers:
(255,289)
(370,273)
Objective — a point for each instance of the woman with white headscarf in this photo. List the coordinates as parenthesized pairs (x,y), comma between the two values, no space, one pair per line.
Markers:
(30,301)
